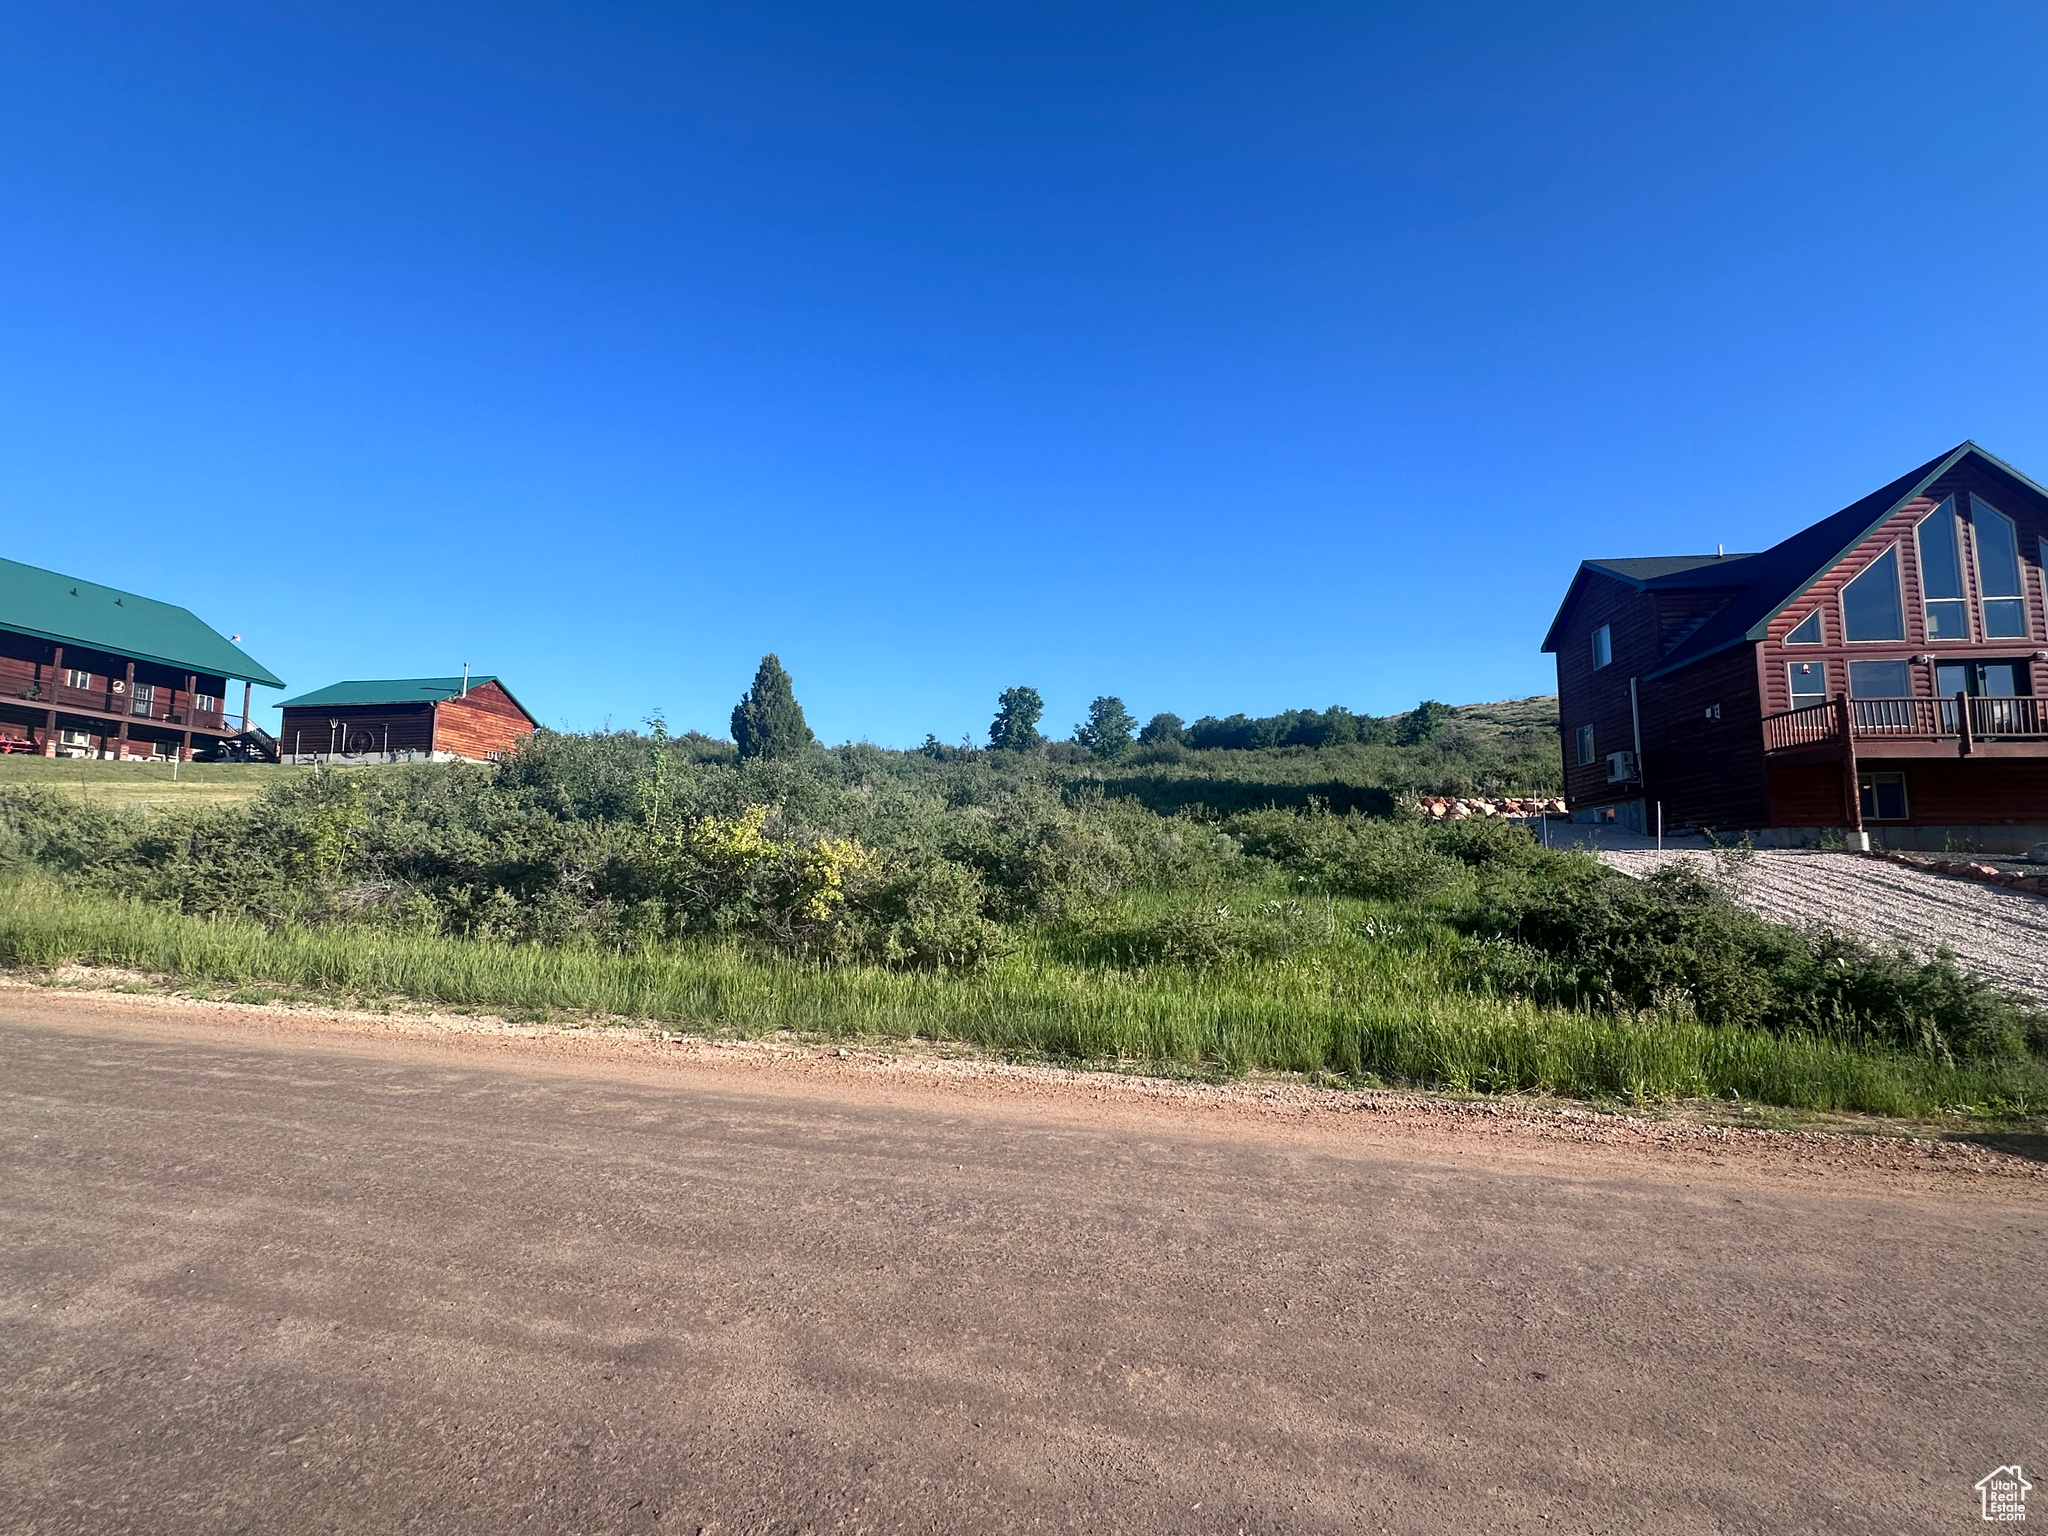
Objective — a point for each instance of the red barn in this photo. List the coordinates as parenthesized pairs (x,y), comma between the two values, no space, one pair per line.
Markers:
(440,719)
(1881,672)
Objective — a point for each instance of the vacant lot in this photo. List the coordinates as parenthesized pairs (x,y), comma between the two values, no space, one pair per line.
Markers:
(2000,934)
(253,1277)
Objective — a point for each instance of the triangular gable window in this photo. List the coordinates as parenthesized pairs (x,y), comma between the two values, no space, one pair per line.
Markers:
(1806,631)
(1871,609)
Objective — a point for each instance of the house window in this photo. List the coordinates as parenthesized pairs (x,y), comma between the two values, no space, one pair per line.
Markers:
(1587,757)
(1941,575)
(73,678)
(1870,604)
(206,703)
(1998,571)
(1603,646)
(1880,680)
(1713,712)
(1809,683)
(1883,796)
(143,700)
(1806,631)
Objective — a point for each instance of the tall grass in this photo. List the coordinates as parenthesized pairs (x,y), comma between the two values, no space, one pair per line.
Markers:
(1372,1011)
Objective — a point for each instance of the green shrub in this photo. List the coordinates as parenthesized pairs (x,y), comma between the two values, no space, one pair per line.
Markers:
(1677,943)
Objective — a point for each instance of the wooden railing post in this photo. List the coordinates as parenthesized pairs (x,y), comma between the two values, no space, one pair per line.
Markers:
(1964,744)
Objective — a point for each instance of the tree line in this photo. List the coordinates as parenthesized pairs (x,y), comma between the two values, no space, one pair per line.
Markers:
(769,722)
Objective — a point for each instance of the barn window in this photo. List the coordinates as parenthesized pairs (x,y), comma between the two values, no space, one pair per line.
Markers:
(1998,569)
(1870,604)
(73,678)
(1880,680)
(1941,575)
(1603,646)
(143,700)
(1806,631)
(1809,683)
(1586,754)
(1883,796)
(206,703)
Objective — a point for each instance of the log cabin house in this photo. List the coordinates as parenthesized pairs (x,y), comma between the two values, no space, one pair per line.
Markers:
(91,671)
(437,719)
(1880,674)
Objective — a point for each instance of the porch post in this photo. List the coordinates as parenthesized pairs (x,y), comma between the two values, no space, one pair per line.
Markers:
(1852,794)
(50,720)
(1965,744)
(127,709)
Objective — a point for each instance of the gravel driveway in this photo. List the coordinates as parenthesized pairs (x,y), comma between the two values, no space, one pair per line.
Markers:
(2001,935)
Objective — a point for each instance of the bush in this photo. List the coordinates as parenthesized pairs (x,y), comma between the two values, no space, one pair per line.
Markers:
(1350,855)
(1677,943)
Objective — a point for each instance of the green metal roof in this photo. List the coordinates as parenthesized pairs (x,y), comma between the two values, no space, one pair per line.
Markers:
(389,690)
(69,611)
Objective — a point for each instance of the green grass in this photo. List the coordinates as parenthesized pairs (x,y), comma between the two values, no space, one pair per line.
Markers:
(146,784)
(1369,1010)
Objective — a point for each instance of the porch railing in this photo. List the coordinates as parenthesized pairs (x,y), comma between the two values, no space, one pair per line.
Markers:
(1988,719)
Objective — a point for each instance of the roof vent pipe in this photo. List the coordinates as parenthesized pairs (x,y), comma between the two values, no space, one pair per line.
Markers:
(1720,551)
(465,680)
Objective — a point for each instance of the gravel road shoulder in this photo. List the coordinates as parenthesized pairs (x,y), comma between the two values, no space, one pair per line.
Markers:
(2000,934)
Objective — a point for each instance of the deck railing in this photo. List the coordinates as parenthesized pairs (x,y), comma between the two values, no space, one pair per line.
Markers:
(1811,726)
(1990,719)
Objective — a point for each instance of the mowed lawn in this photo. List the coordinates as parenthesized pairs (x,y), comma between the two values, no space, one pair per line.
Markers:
(151,785)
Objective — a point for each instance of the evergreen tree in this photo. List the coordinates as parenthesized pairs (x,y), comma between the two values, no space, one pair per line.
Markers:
(1015,728)
(768,721)
(1162,728)
(1424,721)
(1108,730)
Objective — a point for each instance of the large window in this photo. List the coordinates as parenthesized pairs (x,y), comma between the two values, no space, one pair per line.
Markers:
(1883,796)
(1586,756)
(1880,680)
(1870,604)
(1603,647)
(1941,575)
(1998,571)
(1809,683)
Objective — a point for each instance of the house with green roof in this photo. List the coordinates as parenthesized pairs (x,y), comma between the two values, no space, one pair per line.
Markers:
(87,670)
(439,719)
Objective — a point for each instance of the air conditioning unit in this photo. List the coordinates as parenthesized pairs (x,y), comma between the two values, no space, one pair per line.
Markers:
(1621,767)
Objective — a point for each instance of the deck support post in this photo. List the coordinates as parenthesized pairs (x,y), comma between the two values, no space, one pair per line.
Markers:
(1965,743)
(1852,792)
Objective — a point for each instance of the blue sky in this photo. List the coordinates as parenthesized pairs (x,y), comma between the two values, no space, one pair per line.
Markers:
(1218,357)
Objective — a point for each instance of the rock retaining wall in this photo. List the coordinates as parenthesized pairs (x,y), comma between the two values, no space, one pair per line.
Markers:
(1463,807)
(1967,869)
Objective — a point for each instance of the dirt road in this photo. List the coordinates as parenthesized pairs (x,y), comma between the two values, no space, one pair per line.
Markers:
(283,1281)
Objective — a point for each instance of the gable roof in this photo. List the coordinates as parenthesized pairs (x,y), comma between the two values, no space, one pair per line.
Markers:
(397,690)
(1763,585)
(68,611)
(1638,573)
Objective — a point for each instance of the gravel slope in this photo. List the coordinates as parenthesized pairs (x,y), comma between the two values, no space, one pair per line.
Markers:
(2001,935)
